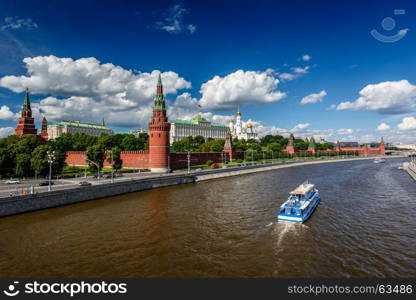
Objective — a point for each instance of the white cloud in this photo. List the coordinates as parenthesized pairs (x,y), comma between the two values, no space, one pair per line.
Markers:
(300,127)
(345,131)
(191,28)
(389,97)
(286,76)
(87,77)
(383,127)
(296,73)
(408,123)
(18,23)
(313,98)
(240,87)
(306,57)
(299,70)
(6,131)
(87,90)
(173,23)
(7,114)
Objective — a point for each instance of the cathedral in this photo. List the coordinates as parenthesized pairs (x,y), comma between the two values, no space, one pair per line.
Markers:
(241,132)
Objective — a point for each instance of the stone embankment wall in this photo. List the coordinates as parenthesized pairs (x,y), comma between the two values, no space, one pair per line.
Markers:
(411,169)
(25,203)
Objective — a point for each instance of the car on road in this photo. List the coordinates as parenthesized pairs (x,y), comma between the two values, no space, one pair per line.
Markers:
(45,183)
(13,181)
(84,183)
(199,169)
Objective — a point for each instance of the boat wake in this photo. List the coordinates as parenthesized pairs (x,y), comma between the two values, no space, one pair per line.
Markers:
(283,229)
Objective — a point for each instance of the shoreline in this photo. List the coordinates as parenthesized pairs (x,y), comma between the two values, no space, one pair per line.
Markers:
(283,166)
(44,200)
(411,170)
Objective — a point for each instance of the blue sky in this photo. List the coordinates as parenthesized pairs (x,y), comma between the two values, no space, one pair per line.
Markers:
(267,56)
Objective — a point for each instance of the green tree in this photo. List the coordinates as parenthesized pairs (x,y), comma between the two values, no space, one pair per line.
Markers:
(131,142)
(217,145)
(106,141)
(95,154)
(276,147)
(39,160)
(114,158)
(22,167)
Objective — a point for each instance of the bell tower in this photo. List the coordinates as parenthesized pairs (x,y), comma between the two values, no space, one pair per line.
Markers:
(159,129)
(26,123)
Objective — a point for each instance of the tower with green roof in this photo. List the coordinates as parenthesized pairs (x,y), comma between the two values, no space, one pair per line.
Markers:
(159,129)
(26,123)
(312,145)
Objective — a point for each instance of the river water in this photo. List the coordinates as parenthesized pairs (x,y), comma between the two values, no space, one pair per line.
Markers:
(364,227)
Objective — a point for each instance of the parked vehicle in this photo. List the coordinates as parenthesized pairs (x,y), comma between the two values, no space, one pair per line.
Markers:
(45,183)
(13,181)
(199,169)
(84,183)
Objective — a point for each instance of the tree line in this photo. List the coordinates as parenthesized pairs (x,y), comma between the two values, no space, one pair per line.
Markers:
(26,156)
(276,143)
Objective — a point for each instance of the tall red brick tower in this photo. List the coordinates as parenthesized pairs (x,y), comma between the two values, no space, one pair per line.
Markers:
(26,123)
(312,145)
(290,148)
(228,147)
(44,131)
(382,149)
(159,129)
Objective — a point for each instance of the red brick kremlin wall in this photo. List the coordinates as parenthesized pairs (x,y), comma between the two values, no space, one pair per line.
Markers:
(140,159)
(131,159)
(362,151)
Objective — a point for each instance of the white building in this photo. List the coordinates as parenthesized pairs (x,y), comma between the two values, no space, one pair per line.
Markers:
(241,132)
(404,146)
(55,130)
(198,126)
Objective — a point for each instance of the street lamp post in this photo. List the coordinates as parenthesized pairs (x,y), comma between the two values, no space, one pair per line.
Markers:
(51,159)
(188,157)
(98,167)
(112,166)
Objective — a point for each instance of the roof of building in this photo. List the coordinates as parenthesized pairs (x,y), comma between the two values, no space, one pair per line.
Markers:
(196,121)
(80,124)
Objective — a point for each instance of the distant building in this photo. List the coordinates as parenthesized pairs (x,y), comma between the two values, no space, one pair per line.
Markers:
(349,144)
(57,129)
(137,132)
(239,131)
(198,126)
(403,146)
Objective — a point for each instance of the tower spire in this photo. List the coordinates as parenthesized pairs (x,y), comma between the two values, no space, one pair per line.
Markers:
(159,101)
(26,123)
(26,101)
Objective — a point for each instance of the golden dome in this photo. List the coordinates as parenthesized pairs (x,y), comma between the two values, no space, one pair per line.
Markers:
(249,125)
(198,116)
